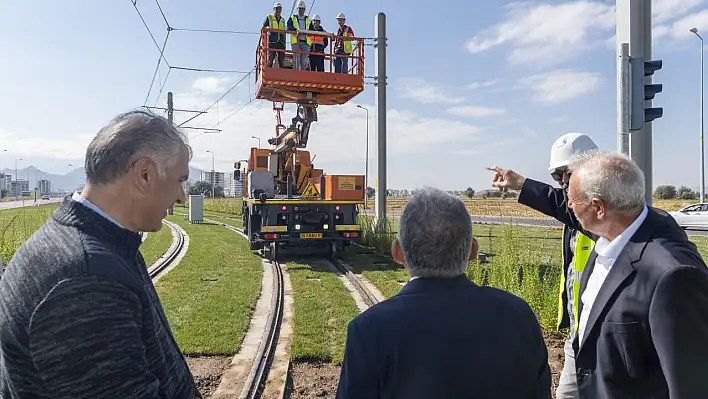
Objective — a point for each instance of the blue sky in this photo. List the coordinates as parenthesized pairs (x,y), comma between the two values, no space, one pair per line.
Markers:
(497,86)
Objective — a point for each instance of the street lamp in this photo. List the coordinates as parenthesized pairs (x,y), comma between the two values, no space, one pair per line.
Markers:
(702,188)
(366,169)
(213,175)
(259,140)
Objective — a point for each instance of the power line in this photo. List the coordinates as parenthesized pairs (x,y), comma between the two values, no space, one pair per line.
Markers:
(149,31)
(163,15)
(220,98)
(233,32)
(207,70)
(157,67)
(233,113)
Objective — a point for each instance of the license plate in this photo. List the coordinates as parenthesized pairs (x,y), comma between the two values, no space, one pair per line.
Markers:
(310,235)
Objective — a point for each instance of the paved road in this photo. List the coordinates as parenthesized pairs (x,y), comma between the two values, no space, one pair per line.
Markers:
(524,221)
(20,204)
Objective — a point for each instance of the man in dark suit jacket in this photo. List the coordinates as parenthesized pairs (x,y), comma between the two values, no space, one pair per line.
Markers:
(443,336)
(644,295)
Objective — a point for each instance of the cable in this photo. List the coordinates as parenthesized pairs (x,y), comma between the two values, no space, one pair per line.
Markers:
(162,87)
(207,70)
(235,32)
(157,67)
(222,96)
(233,113)
(149,31)
(163,15)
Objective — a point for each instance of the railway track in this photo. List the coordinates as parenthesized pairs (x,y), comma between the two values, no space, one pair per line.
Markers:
(369,298)
(169,258)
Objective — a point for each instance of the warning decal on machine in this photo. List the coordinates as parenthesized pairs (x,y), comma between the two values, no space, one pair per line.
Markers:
(311,191)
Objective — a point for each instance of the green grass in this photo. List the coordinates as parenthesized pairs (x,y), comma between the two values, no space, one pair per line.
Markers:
(18,224)
(322,309)
(210,296)
(156,244)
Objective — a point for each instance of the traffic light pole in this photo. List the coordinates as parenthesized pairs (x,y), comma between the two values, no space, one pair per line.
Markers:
(634,28)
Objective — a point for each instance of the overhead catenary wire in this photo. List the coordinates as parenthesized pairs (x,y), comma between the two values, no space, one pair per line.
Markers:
(157,68)
(222,96)
(233,32)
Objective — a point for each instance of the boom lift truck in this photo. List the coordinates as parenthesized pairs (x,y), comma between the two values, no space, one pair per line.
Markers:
(288,204)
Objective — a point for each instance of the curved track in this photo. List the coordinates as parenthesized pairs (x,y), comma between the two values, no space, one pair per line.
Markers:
(255,383)
(176,250)
(369,298)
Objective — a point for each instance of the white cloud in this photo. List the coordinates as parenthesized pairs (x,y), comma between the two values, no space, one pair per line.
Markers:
(665,10)
(561,85)
(59,147)
(476,111)
(421,91)
(679,29)
(542,33)
(211,84)
(480,85)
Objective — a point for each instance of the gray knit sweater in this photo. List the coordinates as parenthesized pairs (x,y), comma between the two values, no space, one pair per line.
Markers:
(80,318)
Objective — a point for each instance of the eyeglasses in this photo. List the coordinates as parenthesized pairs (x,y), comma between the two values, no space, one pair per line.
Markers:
(559,173)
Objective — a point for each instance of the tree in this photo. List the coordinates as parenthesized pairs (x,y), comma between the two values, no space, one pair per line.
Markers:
(686,193)
(3,193)
(370,192)
(469,192)
(665,192)
(204,188)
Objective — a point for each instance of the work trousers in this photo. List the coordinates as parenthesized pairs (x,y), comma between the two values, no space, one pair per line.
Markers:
(317,63)
(341,64)
(301,61)
(568,383)
(279,54)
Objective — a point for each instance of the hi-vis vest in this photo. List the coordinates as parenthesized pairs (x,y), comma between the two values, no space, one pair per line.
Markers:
(317,39)
(275,24)
(583,248)
(296,24)
(347,43)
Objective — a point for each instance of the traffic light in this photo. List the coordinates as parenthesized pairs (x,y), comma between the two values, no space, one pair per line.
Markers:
(642,92)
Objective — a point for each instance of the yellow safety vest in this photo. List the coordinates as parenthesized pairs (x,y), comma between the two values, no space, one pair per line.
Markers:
(275,24)
(583,249)
(296,24)
(347,43)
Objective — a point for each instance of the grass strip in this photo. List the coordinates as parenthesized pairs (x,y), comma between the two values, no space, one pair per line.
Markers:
(156,245)
(322,309)
(210,296)
(18,224)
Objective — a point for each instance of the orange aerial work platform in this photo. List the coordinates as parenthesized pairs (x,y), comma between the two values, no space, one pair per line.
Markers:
(288,85)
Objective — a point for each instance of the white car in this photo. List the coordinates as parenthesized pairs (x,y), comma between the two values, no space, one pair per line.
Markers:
(695,215)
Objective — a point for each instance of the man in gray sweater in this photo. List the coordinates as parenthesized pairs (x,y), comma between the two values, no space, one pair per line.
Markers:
(79,316)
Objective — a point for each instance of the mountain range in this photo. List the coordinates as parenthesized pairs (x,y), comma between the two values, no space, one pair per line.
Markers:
(69,181)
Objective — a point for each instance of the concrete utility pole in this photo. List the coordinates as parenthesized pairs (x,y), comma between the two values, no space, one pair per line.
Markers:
(170,117)
(634,27)
(380,94)
(702,187)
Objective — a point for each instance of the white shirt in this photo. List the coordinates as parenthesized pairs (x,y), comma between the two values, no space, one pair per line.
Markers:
(607,252)
(83,201)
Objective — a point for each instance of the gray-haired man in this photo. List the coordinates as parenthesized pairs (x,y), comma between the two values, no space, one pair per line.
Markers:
(443,336)
(79,316)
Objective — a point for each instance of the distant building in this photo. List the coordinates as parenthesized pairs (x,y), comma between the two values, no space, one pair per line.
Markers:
(5,181)
(17,187)
(215,178)
(44,186)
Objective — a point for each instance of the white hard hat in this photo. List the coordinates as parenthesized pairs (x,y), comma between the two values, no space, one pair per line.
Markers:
(300,4)
(277,4)
(341,15)
(316,17)
(568,145)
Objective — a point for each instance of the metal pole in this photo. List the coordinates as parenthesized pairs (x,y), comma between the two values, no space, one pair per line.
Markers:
(647,139)
(380,94)
(702,187)
(623,101)
(366,163)
(170,118)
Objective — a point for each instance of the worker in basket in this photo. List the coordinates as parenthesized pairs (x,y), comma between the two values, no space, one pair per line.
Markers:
(300,43)
(342,45)
(276,40)
(319,43)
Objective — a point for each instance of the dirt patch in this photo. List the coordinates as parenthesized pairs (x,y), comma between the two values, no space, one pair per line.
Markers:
(312,380)
(207,371)
(555,341)
(317,380)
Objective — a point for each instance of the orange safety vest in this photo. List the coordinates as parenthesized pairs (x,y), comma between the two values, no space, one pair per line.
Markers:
(317,39)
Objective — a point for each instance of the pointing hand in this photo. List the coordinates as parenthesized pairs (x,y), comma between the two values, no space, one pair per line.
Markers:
(506,179)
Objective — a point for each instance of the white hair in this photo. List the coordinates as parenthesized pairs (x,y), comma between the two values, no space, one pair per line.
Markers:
(435,234)
(611,177)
